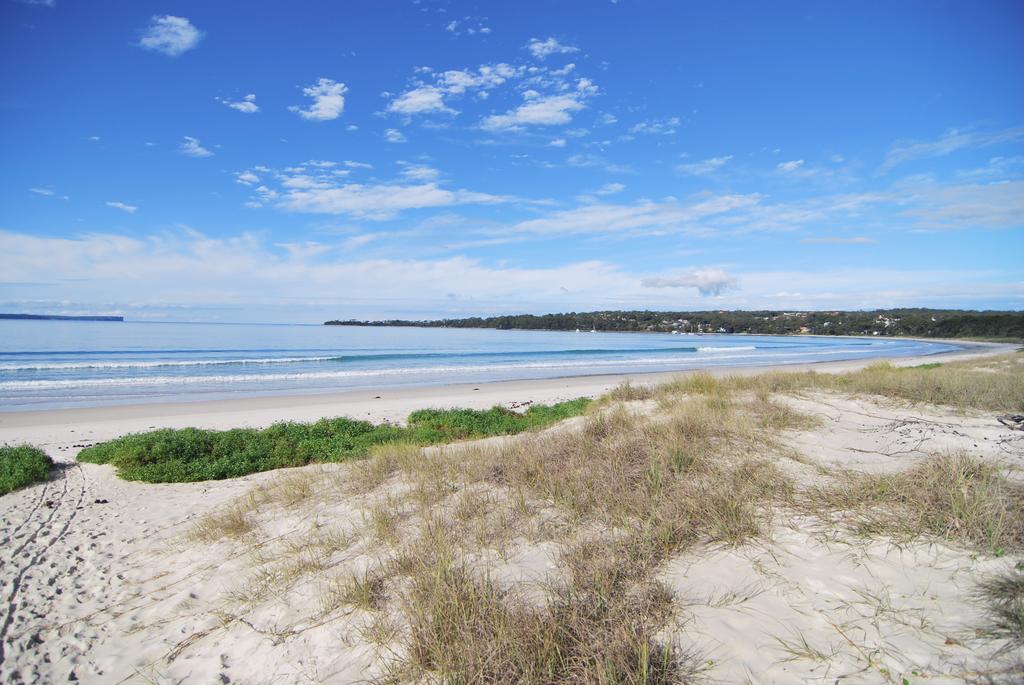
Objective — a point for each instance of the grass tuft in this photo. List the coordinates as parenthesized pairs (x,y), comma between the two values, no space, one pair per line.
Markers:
(22,465)
(956,497)
(1004,597)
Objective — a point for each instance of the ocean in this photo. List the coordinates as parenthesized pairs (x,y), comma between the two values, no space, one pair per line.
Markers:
(57,364)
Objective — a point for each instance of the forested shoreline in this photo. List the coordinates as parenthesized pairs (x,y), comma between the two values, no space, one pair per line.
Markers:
(926,323)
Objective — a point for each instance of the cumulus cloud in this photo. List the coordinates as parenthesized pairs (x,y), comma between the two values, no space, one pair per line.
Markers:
(122,206)
(192,147)
(328,101)
(247,104)
(792,165)
(705,167)
(247,178)
(420,101)
(170,35)
(708,282)
(427,98)
(319,187)
(545,48)
(551,110)
(393,135)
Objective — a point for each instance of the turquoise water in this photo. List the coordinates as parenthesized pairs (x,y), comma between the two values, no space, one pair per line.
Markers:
(51,364)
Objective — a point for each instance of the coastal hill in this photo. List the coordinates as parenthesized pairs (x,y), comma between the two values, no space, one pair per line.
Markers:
(928,323)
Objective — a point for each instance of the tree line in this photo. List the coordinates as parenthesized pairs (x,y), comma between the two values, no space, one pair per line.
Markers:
(928,323)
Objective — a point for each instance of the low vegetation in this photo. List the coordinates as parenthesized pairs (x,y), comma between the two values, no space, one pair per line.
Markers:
(192,454)
(1003,595)
(646,487)
(955,497)
(22,465)
(648,474)
(993,385)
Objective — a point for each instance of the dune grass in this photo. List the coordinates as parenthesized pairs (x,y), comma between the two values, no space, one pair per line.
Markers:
(22,465)
(955,497)
(1003,595)
(622,495)
(992,384)
(192,454)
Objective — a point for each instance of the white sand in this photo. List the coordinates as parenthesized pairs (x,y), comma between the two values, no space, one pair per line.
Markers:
(99,586)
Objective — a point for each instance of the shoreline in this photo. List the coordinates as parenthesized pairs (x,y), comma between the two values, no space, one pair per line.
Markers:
(59,431)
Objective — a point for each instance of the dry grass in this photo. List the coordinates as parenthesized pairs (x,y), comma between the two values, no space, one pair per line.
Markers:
(232,522)
(993,383)
(647,487)
(619,494)
(1004,597)
(955,497)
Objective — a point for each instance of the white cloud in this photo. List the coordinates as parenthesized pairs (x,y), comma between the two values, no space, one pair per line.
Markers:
(170,35)
(932,206)
(380,201)
(248,275)
(427,98)
(247,178)
(905,151)
(469,26)
(358,241)
(544,48)
(705,167)
(418,172)
(557,142)
(192,147)
(247,104)
(792,165)
(552,110)
(657,127)
(420,101)
(123,207)
(328,101)
(393,135)
(610,189)
(48,193)
(41,3)
(706,281)
(645,217)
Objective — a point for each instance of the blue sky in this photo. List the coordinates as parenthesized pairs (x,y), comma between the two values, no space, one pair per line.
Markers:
(309,160)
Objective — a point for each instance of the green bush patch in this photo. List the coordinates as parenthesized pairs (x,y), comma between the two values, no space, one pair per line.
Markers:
(22,465)
(192,454)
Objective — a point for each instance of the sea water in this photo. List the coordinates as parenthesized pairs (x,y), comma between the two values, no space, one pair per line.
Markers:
(53,364)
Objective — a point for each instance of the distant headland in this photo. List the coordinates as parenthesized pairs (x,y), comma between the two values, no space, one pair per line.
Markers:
(56,317)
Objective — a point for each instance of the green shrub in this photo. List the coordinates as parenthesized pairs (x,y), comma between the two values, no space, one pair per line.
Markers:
(192,454)
(22,465)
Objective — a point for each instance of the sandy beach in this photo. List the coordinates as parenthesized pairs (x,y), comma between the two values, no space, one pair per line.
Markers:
(102,585)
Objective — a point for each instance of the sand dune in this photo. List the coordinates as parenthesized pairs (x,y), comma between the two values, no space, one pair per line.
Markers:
(105,581)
